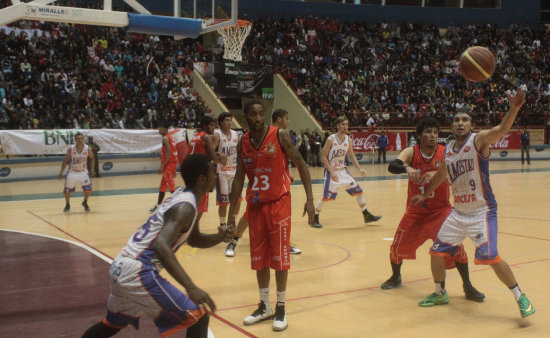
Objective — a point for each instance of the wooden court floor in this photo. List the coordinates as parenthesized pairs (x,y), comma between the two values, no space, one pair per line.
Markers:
(333,287)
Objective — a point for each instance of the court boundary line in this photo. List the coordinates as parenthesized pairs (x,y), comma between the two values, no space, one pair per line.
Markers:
(102,255)
(90,249)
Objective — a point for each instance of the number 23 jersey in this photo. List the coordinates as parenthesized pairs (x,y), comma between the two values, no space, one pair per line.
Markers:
(266,168)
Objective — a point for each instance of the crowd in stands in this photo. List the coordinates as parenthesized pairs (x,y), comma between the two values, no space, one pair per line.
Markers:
(396,74)
(56,75)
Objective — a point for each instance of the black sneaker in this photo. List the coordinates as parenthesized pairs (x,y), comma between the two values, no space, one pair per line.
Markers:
(262,313)
(230,249)
(67,207)
(85,205)
(279,319)
(370,217)
(316,223)
(391,283)
(472,294)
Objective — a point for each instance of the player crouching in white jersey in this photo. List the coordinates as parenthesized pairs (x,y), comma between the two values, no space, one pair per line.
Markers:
(474,212)
(137,288)
(76,158)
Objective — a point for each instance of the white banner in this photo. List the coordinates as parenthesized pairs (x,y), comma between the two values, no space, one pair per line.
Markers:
(56,141)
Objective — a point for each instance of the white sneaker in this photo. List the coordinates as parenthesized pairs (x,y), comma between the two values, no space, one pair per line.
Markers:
(294,250)
(263,312)
(230,249)
(279,319)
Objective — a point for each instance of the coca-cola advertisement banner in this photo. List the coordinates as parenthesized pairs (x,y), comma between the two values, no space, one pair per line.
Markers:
(511,140)
(366,141)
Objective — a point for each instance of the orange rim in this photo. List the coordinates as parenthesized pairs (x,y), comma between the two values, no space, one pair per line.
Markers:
(240,24)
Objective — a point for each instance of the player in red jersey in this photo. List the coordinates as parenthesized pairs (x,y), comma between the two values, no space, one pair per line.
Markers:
(263,155)
(279,119)
(197,145)
(422,222)
(168,163)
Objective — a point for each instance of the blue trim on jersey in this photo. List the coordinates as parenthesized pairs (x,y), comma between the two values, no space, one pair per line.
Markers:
(489,250)
(173,302)
(327,195)
(485,182)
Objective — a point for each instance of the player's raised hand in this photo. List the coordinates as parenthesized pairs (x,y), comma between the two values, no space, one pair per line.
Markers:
(201,298)
(517,100)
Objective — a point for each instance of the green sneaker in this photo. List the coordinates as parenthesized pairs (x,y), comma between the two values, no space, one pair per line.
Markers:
(525,307)
(434,299)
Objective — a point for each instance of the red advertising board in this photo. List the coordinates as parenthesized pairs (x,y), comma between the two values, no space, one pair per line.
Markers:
(366,141)
(510,140)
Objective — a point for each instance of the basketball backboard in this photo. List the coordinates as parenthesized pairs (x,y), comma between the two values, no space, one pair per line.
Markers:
(179,18)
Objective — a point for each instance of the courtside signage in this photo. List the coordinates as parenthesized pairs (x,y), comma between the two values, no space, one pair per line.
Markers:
(56,141)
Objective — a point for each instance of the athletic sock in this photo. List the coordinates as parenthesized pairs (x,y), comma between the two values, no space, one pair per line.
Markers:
(361,200)
(222,220)
(264,295)
(281,296)
(440,287)
(319,207)
(516,291)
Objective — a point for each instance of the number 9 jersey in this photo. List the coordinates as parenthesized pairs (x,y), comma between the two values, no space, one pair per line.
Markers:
(266,168)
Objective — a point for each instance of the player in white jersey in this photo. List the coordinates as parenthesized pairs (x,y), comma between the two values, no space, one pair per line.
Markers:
(137,288)
(336,148)
(224,142)
(474,213)
(76,158)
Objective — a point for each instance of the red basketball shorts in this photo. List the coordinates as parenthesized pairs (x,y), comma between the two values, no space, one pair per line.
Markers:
(415,229)
(269,232)
(167,182)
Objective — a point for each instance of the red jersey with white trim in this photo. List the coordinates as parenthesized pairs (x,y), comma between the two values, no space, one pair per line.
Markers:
(440,197)
(179,136)
(266,168)
(195,144)
(173,150)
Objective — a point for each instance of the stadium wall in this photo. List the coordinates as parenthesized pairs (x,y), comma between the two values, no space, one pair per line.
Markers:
(523,12)
(285,98)
(512,11)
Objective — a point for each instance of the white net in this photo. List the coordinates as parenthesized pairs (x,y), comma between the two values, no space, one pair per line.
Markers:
(233,39)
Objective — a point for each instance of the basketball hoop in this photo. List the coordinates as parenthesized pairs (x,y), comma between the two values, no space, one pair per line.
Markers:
(233,39)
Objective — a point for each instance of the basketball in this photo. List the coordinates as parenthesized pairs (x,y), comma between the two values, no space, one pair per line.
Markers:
(477,64)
